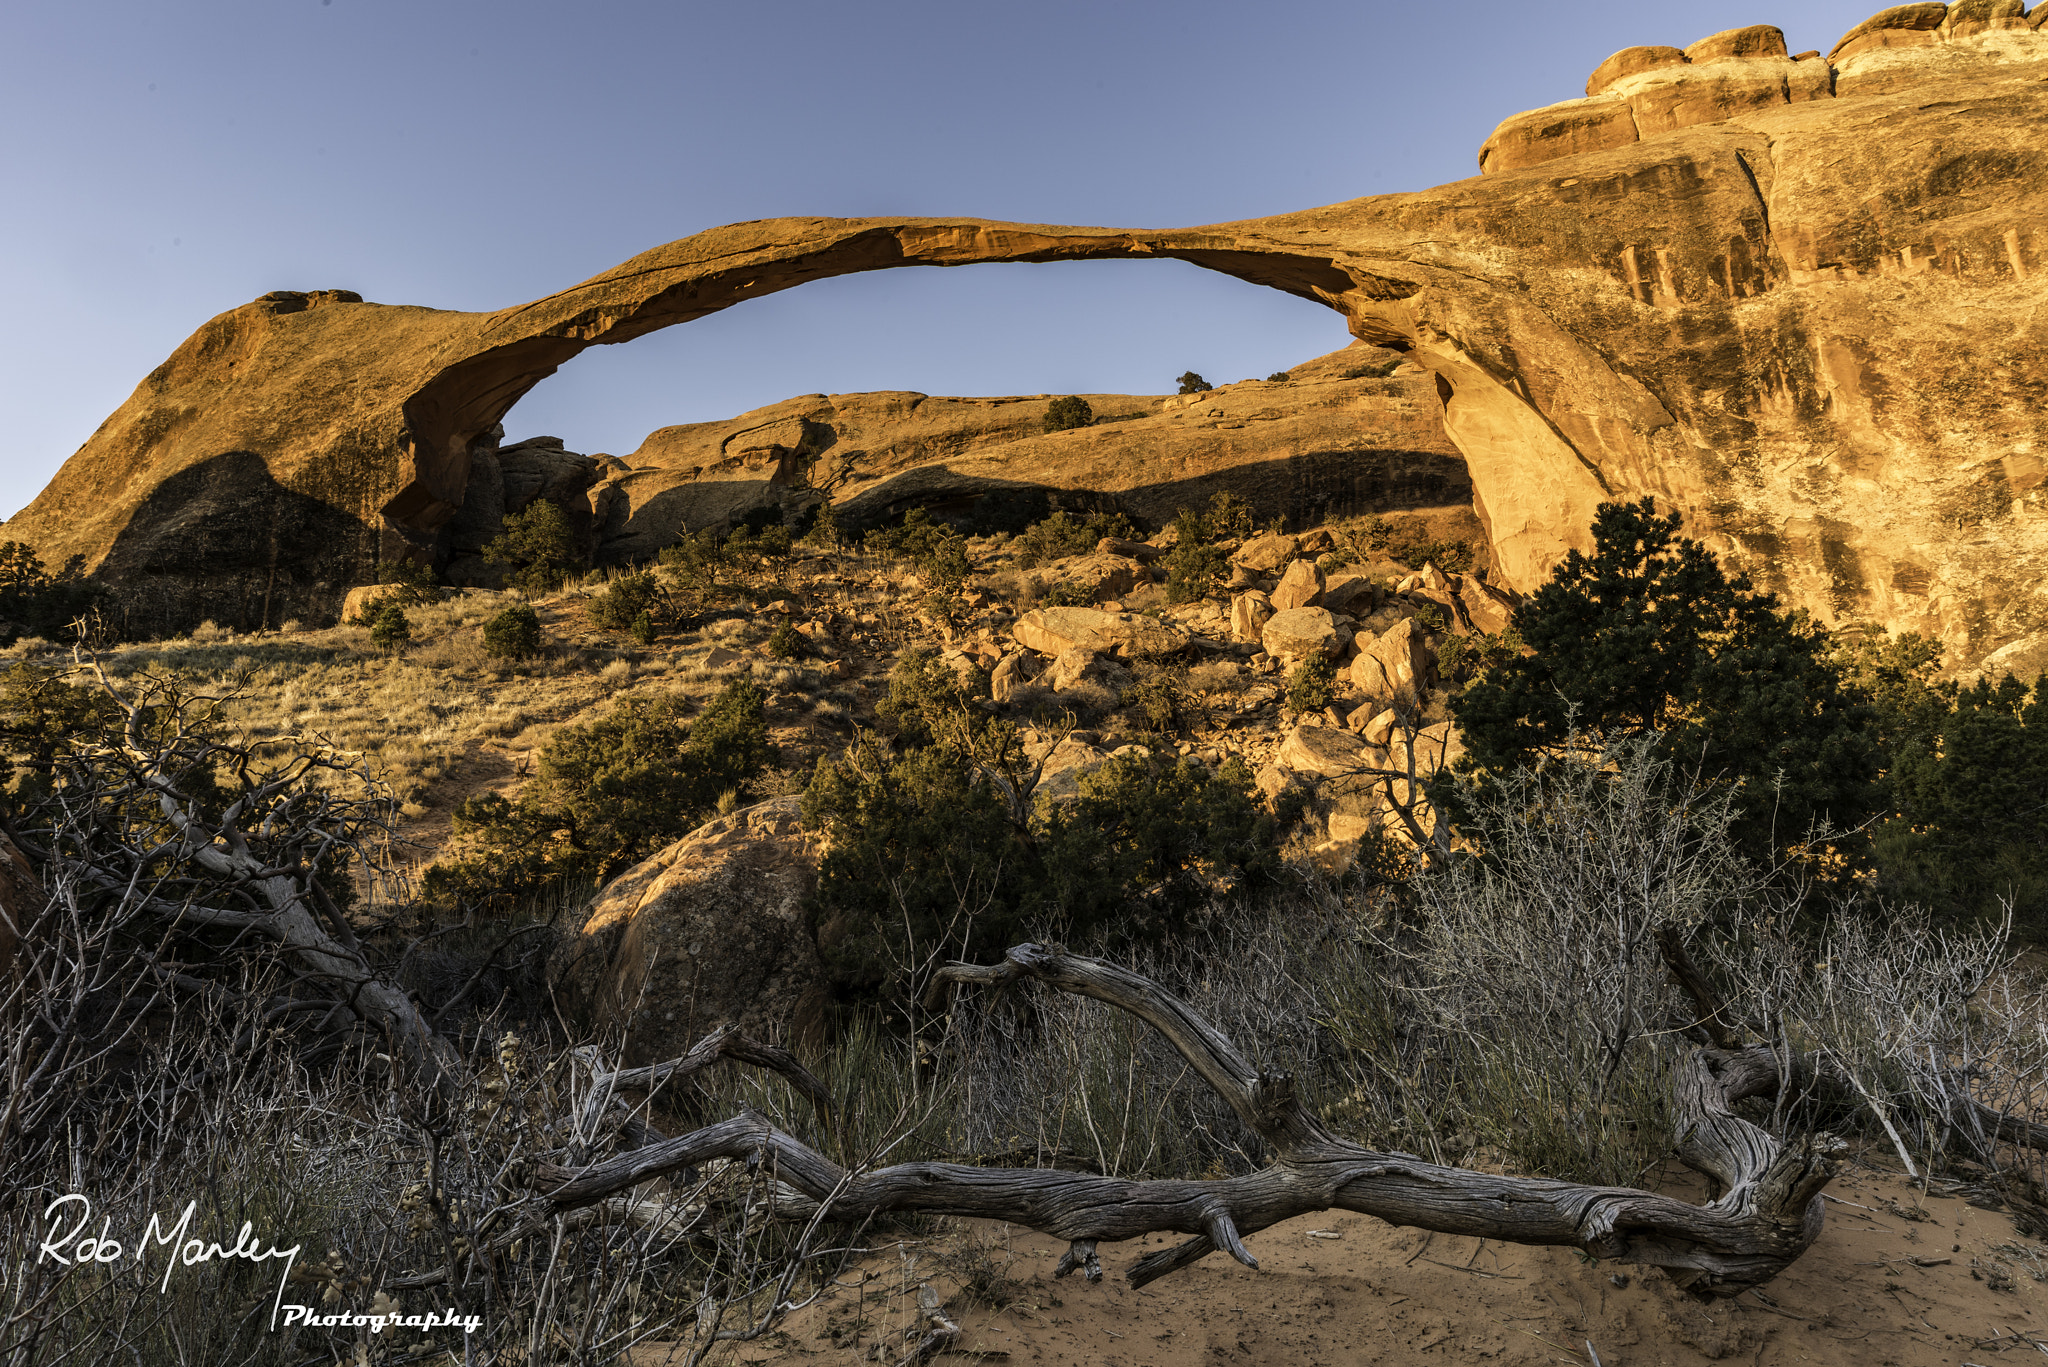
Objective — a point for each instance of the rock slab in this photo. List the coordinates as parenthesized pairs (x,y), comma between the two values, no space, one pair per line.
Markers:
(712,930)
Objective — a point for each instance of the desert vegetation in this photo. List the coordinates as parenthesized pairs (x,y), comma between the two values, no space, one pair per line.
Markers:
(1184,938)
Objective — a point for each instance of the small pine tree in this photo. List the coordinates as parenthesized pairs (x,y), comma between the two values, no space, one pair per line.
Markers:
(1191,383)
(625,601)
(513,634)
(391,630)
(1278,377)
(1068,413)
(538,541)
(1312,685)
(416,583)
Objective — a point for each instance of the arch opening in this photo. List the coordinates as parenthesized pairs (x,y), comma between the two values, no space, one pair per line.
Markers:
(1295,455)
(1342,436)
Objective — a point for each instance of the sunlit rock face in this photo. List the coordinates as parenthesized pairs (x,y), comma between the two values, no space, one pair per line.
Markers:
(1797,297)
(1357,431)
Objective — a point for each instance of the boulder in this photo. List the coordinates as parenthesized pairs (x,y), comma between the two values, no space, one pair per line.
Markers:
(1139,551)
(1274,779)
(1397,661)
(1350,593)
(1299,587)
(1327,752)
(1631,61)
(1071,667)
(1300,632)
(1054,631)
(1453,609)
(1101,577)
(1249,613)
(1011,673)
(1437,747)
(1065,767)
(1715,92)
(1265,553)
(1967,18)
(1379,729)
(1350,827)
(1757,40)
(1568,130)
(1899,26)
(966,667)
(1487,608)
(713,929)
(356,604)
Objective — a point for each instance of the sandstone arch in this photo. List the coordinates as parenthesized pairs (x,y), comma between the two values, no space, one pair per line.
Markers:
(1813,324)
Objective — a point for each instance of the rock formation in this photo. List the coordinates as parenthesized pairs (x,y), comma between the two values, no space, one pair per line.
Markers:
(723,914)
(1797,298)
(1340,436)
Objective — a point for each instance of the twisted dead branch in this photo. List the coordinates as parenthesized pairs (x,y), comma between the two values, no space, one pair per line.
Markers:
(1768,1212)
(145,818)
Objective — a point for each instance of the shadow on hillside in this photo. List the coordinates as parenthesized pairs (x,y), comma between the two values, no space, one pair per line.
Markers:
(223,541)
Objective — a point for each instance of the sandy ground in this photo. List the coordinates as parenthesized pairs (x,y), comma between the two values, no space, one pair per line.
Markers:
(1893,1279)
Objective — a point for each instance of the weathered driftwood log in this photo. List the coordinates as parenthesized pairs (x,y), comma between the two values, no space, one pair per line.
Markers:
(1768,1212)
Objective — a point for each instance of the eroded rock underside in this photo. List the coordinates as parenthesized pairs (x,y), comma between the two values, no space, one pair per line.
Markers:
(1798,299)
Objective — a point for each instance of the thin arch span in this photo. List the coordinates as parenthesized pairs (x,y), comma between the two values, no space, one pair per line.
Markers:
(697,276)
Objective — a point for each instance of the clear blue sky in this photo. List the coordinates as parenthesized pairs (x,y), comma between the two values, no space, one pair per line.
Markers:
(164,162)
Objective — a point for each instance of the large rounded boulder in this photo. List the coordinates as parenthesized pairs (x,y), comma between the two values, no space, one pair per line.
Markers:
(710,931)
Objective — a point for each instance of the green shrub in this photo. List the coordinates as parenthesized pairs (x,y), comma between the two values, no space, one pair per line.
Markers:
(917,536)
(414,584)
(625,600)
(946,568)
(1379,538)
(513,634)
(1463,658)
(922,690)
(42,719)
(1648,637)
(390,629)
(607,794)
(786,643)
(1069,412)
(929,860)
(938,552)
(1191,383)
(697,558)
(1064,534)
(643,629)
(1193,569)
(824,530)
(538,543)
(1969,784)
(1062,593)
(771,544)
(1278,377)
(1157,697)
(1227,518)
(1312,685)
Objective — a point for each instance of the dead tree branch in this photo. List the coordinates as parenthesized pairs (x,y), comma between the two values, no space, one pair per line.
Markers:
(1768,1213)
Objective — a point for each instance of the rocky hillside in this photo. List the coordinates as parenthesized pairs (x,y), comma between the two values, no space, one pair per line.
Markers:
(1797,298)
(1356,432)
